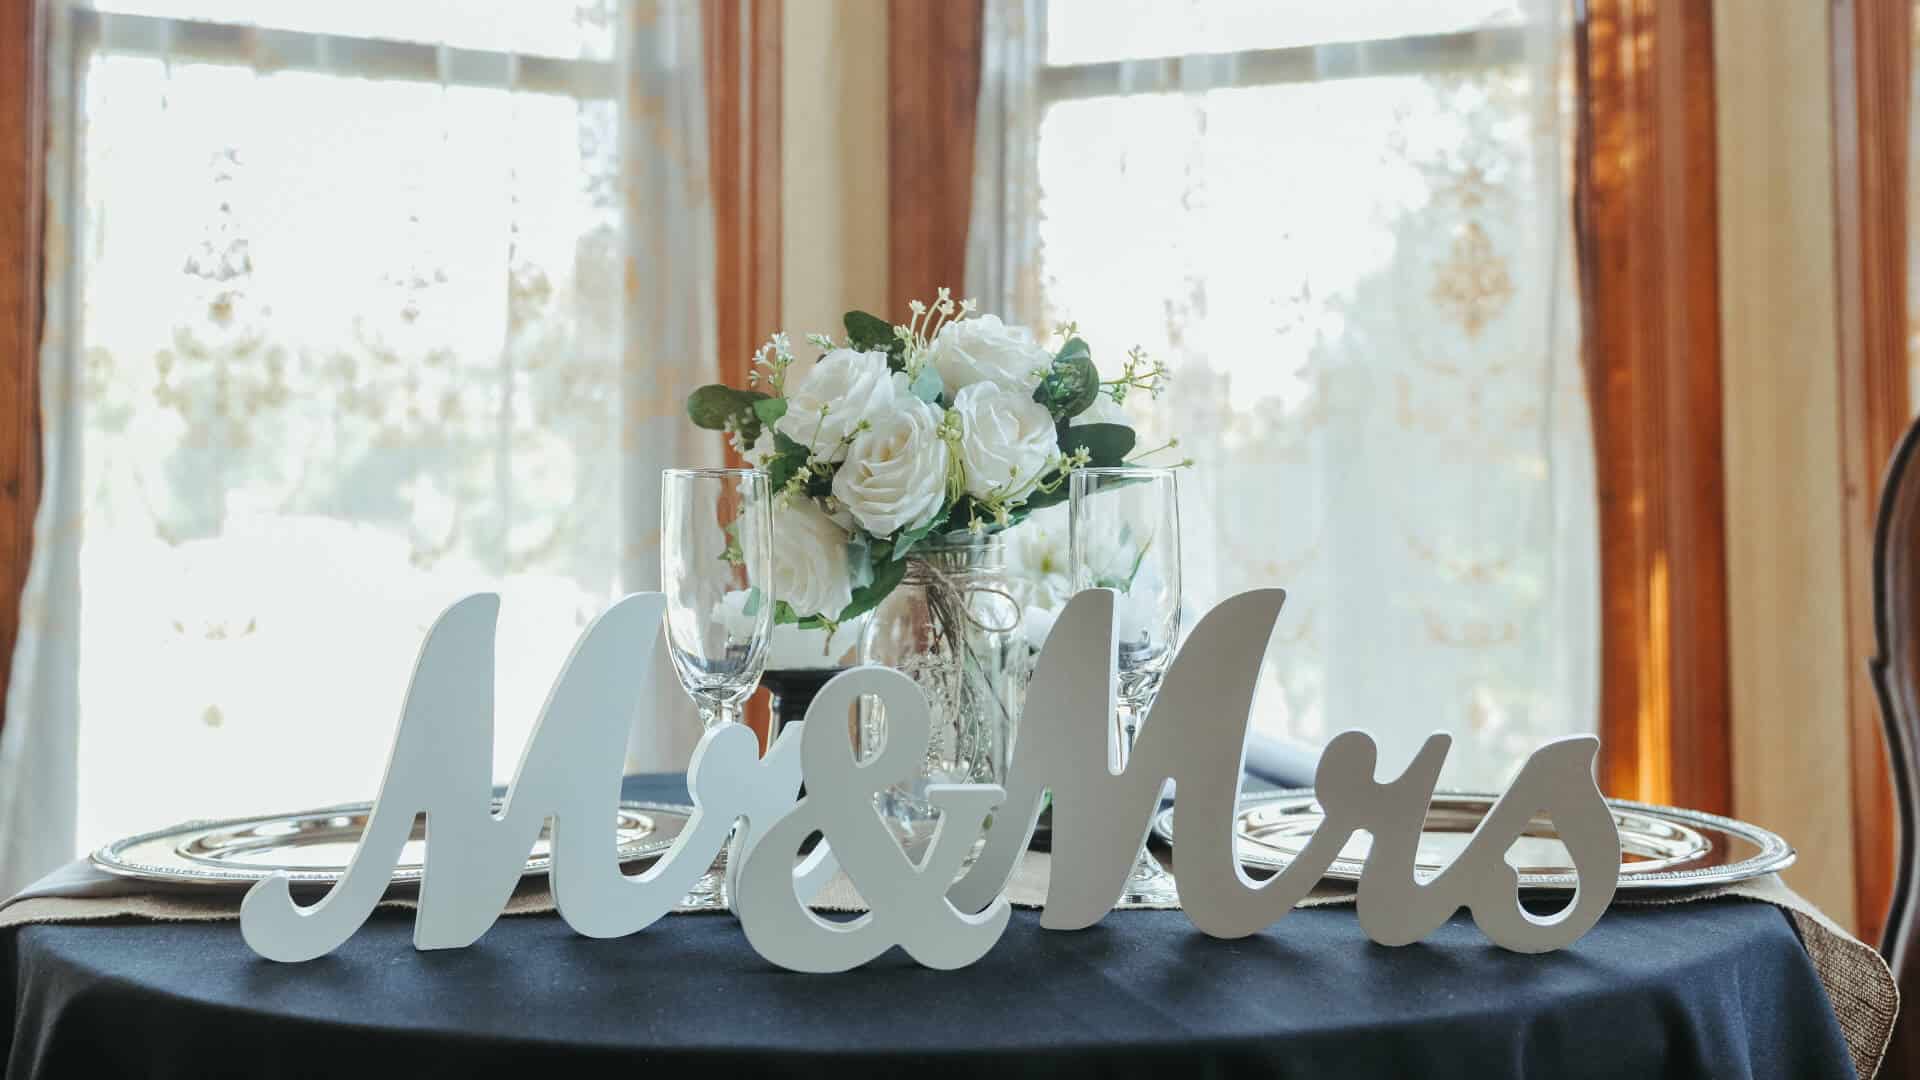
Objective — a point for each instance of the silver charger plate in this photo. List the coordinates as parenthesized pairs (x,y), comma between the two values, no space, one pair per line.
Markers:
(1661,847)
(314,846)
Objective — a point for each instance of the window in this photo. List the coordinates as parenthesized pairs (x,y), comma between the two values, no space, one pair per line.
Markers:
(1345,226)
(350,299)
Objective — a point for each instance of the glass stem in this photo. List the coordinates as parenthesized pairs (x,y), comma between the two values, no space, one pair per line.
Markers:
(716,886)
(712,715)
(1128,717)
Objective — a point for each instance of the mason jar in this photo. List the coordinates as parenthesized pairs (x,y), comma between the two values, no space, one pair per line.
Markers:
(953,626)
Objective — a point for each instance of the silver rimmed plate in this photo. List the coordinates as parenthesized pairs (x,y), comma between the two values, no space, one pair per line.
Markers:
(1661,847)
(314,847)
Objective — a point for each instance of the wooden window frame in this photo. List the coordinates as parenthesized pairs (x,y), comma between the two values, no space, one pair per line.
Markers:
(22,175)
(743,40)
(1647,238)
(933,90)
(1872,84)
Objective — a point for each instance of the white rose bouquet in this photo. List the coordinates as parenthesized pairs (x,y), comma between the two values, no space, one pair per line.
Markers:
(951,423)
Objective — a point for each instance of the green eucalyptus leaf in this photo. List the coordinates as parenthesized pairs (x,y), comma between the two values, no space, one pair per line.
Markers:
(860,560)
(712,406)
(1072,384)
(789,457)
(1043,498)
(887,573)
(958,516)
(1107,444)
(770,410)
(867,332)
(905,541)
(927,385)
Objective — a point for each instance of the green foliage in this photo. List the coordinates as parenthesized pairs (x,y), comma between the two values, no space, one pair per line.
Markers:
(789,457)
(1107,445)
(859,559)
(770,410)
(867,332)
(711,406)
(927,385)
(1043,498)
(907,538)
(886,575)
(1072,384)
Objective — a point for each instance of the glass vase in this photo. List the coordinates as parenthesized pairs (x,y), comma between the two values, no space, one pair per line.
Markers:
(954,627)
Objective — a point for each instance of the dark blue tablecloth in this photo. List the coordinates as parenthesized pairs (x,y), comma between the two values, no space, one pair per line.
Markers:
(1720,988)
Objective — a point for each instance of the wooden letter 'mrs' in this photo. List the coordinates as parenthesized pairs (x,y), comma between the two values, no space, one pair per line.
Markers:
(1196,735)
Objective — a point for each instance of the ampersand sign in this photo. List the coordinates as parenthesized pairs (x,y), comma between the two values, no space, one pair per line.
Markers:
(909,904)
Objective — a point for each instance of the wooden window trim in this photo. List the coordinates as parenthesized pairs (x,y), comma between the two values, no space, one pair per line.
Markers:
(1872,80)
(933,84)
(22,179)
(743,44)
(743,41)
(1647,229)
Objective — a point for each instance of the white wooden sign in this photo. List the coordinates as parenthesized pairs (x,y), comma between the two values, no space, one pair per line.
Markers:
(909,904)
(1197,736)
(442,766)
(570,771)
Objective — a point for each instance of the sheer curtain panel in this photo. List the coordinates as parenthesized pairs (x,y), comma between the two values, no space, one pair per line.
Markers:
(353,309)
(1346,228)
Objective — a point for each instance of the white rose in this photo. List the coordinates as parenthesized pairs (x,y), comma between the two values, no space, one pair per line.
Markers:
(809,559)
(791,647)
(1007,439)
(984,349)
(1040,566)
(895,476)
(850,387)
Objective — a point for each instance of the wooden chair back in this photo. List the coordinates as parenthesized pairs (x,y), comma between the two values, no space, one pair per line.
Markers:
(1896,677)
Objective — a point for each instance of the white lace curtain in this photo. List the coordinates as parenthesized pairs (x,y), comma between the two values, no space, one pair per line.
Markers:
(1362,281)
(347,318)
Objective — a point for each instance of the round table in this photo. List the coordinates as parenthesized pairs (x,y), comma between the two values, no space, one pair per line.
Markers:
(1717,988)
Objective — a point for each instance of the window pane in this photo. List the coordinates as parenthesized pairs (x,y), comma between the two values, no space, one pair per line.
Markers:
(351,353)
(1360,288)
(1091,31)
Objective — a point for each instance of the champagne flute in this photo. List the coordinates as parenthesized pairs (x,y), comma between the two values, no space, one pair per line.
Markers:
(716,567)
(1125,535)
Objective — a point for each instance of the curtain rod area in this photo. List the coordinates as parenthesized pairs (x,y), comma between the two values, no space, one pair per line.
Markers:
(272,50)
(1422,55)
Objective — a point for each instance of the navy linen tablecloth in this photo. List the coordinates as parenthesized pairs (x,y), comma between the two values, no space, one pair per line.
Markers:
(1717,988)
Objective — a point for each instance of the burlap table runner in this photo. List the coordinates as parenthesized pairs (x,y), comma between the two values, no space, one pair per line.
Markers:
(1857,980)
